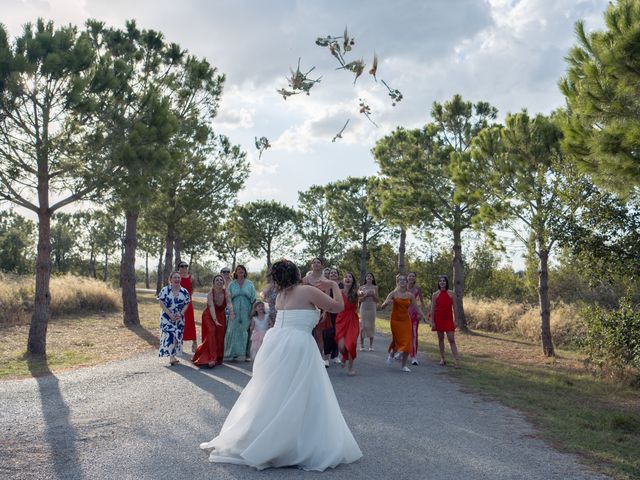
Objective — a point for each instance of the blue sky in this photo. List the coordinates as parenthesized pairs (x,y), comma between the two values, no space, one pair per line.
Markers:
(507,52)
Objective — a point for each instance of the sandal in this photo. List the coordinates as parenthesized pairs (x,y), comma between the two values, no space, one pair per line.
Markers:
(442,363)
(351,373)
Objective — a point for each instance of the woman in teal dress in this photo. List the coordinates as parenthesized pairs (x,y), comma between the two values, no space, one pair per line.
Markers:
(242,294)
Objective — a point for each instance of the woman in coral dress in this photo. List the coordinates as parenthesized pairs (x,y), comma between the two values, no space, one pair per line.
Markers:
(214,325)
(189,319)
(348,322)
(401,299)
(442,317)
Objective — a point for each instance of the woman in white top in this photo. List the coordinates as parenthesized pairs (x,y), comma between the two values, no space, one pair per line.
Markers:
(299,422)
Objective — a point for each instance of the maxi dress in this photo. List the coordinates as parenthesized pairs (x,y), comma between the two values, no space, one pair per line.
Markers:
(348,327)
(400,326)
(237,336)
(288,414)
(212,347)
(189,318)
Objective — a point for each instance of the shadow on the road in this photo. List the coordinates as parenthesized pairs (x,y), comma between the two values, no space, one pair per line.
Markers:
(224,384)
(475,333)
(152,339)
(60,433)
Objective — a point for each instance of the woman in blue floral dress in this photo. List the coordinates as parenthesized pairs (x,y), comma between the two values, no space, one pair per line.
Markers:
(174,301)
(242,294)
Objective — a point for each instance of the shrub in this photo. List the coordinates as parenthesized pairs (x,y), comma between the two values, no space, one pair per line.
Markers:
(612,338)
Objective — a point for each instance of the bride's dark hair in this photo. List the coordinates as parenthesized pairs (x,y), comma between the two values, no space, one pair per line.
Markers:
(285,274)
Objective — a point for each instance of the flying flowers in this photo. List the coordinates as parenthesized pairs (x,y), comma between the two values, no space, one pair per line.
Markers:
(365,109)
(339,134)
(299,82)
(262,144)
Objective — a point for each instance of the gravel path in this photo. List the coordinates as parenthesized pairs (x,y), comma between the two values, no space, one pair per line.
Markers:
(140,419)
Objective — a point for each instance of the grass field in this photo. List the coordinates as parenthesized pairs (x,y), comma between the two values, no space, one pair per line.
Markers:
(597,419)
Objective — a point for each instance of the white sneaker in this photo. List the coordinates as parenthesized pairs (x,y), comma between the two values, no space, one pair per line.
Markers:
(405,369)
(389,360)
(371,349)
(361,349)
(326,363)
(414,361)
(337,361)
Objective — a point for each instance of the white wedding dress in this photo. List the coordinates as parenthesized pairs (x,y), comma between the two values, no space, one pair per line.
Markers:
(288,414)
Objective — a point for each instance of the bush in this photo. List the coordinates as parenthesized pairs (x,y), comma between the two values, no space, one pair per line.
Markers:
(612,338)
(69,294)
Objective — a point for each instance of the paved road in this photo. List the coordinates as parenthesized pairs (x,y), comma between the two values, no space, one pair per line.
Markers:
(139,419)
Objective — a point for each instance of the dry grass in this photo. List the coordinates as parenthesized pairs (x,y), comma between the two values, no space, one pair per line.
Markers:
(69,295)
(81,340)
(523,321)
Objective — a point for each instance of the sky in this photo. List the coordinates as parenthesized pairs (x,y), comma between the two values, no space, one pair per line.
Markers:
(507,52)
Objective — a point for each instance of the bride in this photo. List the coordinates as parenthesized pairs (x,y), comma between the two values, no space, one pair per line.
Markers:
(288,414)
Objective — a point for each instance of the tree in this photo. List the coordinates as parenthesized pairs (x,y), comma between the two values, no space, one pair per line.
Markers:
(420,167)
(601,88)
(17,237)
(47,133)
(315,225)
(64,245)
(532,183)
(349,203)
(196,192)
(266,227)
(227,242)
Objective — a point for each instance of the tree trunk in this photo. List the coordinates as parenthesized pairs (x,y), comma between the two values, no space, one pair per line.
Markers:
(545,308)
(177,246)
(92,262)
(105,272)
(458,280)
(401,251)
(37,342)
(363,260)
(168,253)
(159,271)
(128,271)
(268,257)
(146,270)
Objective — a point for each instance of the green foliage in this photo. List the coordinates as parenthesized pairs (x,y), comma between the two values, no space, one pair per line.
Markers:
(17,237)
(266,227)
(315,225)
(612,340)
(382,259)
(601,88)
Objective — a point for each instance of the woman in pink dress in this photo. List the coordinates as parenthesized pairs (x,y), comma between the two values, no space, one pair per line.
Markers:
(258,326)
(413,315)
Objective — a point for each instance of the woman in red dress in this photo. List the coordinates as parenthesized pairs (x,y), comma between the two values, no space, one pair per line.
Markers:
(214,325)
(442,317)
(189,320)
(348,322)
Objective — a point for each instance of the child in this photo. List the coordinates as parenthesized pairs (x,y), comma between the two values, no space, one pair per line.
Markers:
(259,326)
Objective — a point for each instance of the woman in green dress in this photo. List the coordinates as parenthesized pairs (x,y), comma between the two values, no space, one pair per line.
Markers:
(242,294)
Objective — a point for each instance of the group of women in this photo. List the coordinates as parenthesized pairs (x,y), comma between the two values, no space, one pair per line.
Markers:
(314,312)
(227,320)
(234,322)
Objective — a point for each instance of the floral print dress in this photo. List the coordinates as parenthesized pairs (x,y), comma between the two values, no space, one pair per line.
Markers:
(171,332)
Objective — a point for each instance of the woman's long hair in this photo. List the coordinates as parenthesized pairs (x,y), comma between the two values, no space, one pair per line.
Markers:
(352,294)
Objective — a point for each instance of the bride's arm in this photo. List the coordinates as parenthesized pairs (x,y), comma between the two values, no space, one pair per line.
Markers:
(324,301)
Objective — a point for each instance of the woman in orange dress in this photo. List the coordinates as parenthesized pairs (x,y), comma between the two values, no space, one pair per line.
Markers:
(214,325)
(189,320)
(348,322)
(443,317)
(401,299)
